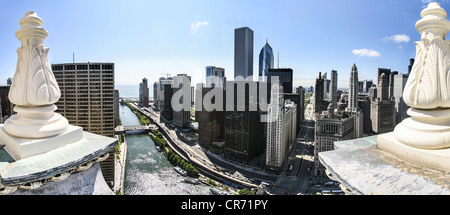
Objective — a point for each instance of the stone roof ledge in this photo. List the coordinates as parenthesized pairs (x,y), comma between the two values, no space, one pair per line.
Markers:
(58,169)
(364,169)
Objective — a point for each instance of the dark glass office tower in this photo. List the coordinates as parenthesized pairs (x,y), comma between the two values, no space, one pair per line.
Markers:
(320,104)
(211,124)
(244,131)
(285,77)
(243,52)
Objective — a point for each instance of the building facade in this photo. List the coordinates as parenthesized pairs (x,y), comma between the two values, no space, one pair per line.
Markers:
(353,90)
(6,105)
(211,124)
(244,139)
(156,92)
(329,128)
(319,101)
(285,78)
(332,95)
(181,108)
(243,52)
(400,106)
(165,97)
(215,76)
(383,108)
(88,100)
(144,93)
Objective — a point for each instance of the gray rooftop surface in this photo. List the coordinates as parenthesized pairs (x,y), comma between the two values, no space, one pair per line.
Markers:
(364,169)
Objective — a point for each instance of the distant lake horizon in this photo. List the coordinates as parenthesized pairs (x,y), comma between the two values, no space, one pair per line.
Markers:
(128,90)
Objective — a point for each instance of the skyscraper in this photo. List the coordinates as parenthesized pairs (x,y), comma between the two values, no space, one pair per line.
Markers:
(353,90)
(285,78)
(211,124)
(300,105)
(281,128)
(400,106)
(165,97)
(333,89)
(382,108)
(156,90)
(319,103)
(6,105)
(411,64)
(380,71)
(326,86)
(215,74)
(244,139)
(144,93)
(243,52)
(266,61)
(275,144)
(87,100)
(182,108)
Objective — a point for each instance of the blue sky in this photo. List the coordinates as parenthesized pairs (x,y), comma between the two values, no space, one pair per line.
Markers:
(148,38)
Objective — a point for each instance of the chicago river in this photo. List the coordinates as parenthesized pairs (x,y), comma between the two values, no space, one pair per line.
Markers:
(147,171)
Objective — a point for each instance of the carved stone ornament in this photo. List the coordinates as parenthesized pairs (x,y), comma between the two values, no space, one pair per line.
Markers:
(427,90)
(428,86)
(34,88)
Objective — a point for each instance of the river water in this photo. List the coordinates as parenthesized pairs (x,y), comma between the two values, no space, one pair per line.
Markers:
(147,171)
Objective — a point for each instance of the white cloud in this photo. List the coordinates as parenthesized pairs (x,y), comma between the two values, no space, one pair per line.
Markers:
(366,53)
(426,2)
(398,38)
(197,25)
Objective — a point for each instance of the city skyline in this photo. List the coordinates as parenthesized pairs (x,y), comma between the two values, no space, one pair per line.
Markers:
(145,40)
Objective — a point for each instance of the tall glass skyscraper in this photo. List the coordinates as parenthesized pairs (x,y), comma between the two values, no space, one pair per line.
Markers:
(243,52)
(265,61)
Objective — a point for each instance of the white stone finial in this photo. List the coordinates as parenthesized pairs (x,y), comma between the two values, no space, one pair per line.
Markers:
(427,90)
(428,85)
(34,88)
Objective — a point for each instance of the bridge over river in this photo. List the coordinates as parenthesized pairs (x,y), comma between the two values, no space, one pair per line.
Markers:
(122,129)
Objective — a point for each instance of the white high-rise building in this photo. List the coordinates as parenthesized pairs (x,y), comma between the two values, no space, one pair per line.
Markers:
(353,90)
(333,89)
(281,128)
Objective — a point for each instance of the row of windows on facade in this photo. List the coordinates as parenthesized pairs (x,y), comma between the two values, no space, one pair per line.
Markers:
(77,75)
(84,84)
(84,74)
(88,99)
(88,93)
(90,107)
(82,66)
(66,79)
(84,114)
(107,87)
